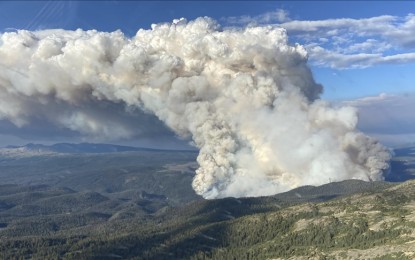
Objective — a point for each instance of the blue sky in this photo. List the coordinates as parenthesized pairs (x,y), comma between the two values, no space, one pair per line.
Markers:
(356,48)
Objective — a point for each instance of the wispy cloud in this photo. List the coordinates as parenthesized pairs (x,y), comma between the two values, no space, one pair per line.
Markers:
(277,16)
(356,43)
(339,60)
(398,30)
(347,43)
(368,46)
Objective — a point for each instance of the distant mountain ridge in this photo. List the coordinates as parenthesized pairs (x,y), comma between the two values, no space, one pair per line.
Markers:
(78,148)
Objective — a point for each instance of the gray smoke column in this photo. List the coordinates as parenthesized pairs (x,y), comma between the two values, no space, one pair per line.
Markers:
(245,97)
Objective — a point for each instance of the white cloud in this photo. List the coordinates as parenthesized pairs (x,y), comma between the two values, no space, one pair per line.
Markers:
(327,58)
(368,100)
(356,43)
(398,30)
(345,43)
(370,45)
(277,16)
(366,26)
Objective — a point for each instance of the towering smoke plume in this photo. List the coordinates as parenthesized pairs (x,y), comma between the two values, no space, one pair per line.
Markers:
(245,97)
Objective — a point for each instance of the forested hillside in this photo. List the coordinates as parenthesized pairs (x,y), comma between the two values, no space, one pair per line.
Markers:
(379,222)
(140,205)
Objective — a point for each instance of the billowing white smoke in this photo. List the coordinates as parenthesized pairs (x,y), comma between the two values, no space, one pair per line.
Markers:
(245,97)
